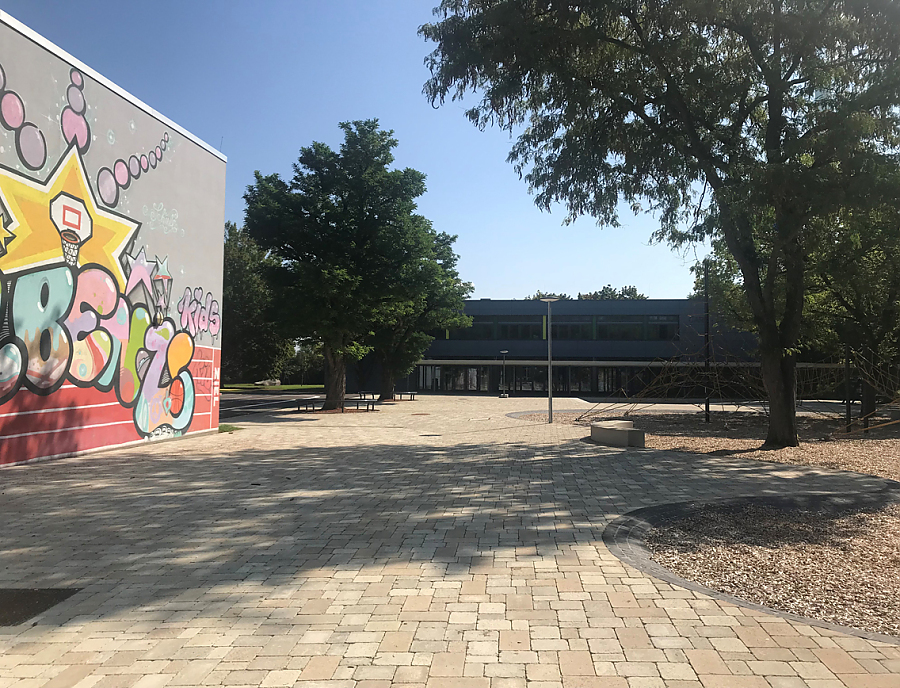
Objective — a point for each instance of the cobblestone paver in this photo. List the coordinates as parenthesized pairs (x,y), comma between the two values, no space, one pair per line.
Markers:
(434,544)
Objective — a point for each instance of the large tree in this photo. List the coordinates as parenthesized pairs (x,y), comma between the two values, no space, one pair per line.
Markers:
(741,119)
(345,229)
(854,295)
(435,299)
(254,346)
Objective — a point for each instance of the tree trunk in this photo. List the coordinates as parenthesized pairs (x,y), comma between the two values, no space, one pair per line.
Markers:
(779,369)
(868,399)
(387,384)
(779,373)
(335,378)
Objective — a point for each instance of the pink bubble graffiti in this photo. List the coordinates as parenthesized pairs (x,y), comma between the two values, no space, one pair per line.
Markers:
(111,181)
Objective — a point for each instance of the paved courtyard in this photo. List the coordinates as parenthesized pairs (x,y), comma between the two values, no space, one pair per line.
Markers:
(436,544)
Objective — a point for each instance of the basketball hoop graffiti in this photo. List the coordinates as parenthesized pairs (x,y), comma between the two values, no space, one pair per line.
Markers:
(81,305)
(73,223)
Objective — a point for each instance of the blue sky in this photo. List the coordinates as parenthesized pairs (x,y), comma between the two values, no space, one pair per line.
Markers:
(259,80)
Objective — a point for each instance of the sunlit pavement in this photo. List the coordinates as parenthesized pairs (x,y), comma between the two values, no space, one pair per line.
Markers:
(433,543)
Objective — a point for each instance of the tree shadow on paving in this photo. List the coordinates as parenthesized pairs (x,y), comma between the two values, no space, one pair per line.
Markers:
(137,529)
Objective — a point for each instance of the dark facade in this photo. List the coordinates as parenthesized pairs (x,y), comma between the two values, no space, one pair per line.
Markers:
(605,348)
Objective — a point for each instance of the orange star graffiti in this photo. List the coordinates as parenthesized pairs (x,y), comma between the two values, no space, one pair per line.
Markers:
(34,234)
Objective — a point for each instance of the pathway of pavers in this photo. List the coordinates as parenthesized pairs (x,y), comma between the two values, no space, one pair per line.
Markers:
(434,544)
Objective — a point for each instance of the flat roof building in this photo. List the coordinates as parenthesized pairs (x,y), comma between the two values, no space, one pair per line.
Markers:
(604,348)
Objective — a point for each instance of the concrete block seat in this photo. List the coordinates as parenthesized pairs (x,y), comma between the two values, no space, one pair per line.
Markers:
(617,433)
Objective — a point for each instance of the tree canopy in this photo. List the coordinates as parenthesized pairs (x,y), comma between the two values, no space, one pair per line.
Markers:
(743,120)
(538,295)
(254,346)
(346,231)
(607,293)
(435,299)
(610,293)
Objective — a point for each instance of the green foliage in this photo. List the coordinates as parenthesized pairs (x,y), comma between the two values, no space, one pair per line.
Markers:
(745,121)
(307,366)
(854,284)
(253,346)
(607,293)
(434,300)
(346,231)
(610,293)
(538,295)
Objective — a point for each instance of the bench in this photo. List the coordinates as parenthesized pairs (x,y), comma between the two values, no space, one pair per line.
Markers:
(363,395)
(368,403)
(310,404)
(411,395)
(617,433)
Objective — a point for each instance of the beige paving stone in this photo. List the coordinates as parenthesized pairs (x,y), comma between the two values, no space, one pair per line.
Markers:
(839,661)
(411,674)
(70,676)
(864,681)
(458,683)
(576,663)
(514,640)
(320,668)
(447,664)
(707,662)
(595,682)
(387,549)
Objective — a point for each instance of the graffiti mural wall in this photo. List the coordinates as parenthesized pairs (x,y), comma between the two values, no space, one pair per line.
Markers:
(111,239)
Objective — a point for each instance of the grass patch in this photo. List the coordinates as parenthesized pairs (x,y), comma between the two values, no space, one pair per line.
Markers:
(250,387)
(225,427)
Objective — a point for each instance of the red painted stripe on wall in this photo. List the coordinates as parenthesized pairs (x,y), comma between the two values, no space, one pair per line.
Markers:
(56,442)
(73,420)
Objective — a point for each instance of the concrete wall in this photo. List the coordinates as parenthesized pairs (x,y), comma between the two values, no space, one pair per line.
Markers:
(110,261)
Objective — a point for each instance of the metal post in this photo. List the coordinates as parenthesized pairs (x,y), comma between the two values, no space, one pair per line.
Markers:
(504,393)
(548,301)
(848,419)
(706,335)
(550,362)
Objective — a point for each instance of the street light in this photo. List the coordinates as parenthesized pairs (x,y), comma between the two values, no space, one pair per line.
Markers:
(548,301)
(505,392)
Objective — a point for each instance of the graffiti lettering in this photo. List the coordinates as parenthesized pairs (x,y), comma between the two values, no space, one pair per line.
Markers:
(198,316)
(39,303)
(84,307)
(160,218)
(76,326)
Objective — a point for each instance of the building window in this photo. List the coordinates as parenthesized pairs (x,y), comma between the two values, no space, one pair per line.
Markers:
(618,328)
(522,327)
(482,329)
(580,379)
(635,328)
(662,328)
(573,327)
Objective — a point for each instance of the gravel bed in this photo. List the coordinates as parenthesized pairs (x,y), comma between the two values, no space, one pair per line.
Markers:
(842,568)
(738,434)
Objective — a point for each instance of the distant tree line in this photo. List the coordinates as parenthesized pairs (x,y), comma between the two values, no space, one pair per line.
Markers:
(607,293)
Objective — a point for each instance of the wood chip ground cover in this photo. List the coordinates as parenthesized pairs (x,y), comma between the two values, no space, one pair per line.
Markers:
(843,569)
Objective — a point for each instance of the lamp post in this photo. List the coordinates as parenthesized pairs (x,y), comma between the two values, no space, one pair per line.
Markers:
(505,392)
(548,301)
